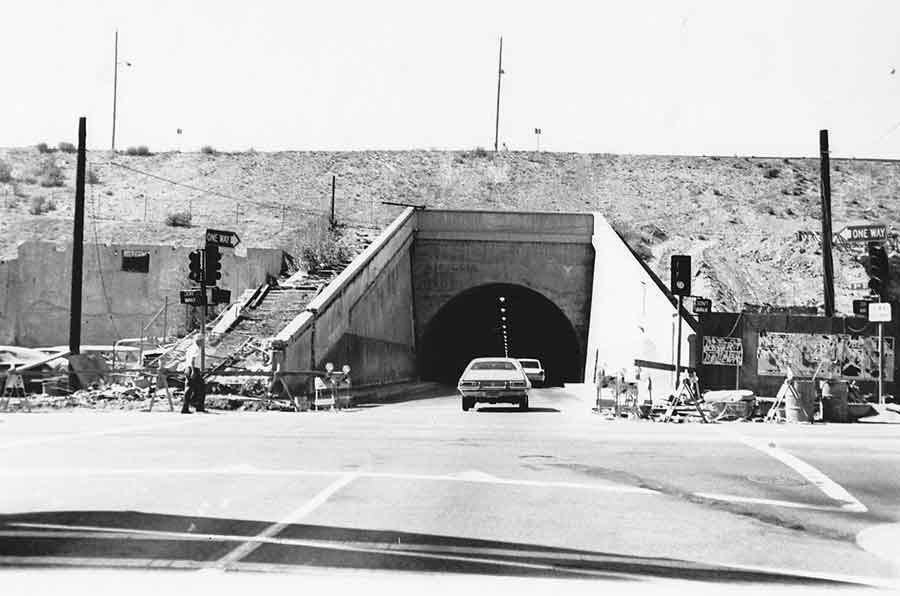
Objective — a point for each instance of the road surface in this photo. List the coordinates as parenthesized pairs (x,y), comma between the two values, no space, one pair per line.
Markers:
(554,491)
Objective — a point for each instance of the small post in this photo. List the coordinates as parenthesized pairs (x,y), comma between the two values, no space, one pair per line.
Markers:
(678,345)
(333,182)
(880,364)
(145,207)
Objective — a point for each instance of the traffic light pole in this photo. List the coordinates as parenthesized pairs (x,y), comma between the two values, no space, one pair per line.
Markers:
(880,364)
(678,345)
(203,316)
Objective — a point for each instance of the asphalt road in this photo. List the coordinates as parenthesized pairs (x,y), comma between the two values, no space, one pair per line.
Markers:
(554,491)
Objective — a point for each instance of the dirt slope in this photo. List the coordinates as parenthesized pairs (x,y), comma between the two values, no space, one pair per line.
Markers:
(738,216)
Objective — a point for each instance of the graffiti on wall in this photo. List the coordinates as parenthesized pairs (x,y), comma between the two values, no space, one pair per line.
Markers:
(832,355)
(724,351)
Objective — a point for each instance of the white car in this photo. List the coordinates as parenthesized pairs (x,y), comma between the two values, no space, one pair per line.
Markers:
(493,381)
(534,370)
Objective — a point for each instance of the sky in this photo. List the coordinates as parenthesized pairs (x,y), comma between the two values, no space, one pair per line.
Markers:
(688,77)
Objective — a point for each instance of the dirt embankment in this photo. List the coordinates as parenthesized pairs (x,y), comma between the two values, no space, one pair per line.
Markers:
(738,216)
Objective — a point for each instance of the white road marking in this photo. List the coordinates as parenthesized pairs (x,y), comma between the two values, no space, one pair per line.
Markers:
(882,540)
(253,543)
(435,552)
(772,502)
(825,484)
(92,433)
(481,478)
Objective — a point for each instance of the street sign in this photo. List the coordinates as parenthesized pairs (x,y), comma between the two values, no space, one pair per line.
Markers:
(880,312)
(220,296)
(861,308)
(222,238)
(702,305)
(864,233)
(193,297)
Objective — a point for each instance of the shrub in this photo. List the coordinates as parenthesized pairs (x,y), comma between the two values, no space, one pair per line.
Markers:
(29,180)
(92,177)
(639,242)
(40,205)
(43,148)
(208,149)
(322,248)
(49,174)
(179,219)
(717,192)
(141,150)
(67,147)
(772,173)
(5,172)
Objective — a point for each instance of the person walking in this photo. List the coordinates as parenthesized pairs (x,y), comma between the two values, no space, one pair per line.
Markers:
(194,388)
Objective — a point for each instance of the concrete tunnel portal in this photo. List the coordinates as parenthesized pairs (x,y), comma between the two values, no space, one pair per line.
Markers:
(470,325)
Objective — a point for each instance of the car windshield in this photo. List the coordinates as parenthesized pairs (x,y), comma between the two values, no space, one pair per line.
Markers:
(530,363)
(493,365)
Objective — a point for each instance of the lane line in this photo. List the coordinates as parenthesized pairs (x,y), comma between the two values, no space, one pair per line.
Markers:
(93,433)
(825,484)
(253,543)
(249,471)
(772,502)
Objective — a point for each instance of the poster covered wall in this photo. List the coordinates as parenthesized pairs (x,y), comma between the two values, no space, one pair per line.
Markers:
(840,355)
(723,351)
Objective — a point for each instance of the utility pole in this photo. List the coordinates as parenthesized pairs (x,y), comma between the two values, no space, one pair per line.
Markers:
(333,182)
(203,310)
(497,121)
(827,264)
(77,246)
(115,84)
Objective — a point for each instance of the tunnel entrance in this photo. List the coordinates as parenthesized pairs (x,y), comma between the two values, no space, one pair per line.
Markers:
(471,325)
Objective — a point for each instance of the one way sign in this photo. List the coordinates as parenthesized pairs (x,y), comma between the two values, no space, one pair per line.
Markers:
(222,238)
(864,233)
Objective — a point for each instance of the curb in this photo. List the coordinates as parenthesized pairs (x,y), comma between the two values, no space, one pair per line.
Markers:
(398,392)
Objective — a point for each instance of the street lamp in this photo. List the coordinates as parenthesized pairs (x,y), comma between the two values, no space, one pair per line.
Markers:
(500,72)
(115,86)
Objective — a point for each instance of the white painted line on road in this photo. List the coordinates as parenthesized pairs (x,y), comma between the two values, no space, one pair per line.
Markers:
(92,433)
(812,474)
(296,515)
(480,478)
(772,502)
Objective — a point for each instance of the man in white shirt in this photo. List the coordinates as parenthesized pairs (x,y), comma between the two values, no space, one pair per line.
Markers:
(194,388)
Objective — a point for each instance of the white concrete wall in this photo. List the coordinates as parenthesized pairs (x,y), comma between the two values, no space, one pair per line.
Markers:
(631,317)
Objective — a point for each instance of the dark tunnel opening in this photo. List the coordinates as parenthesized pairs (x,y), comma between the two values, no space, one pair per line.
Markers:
(470,326)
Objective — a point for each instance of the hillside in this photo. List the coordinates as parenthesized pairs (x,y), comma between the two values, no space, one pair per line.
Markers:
(738,216)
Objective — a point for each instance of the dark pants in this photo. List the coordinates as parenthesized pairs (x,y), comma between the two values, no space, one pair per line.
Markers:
(194,391)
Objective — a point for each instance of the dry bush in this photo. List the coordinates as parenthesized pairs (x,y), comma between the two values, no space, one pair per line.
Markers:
(43,148)
(92,177)
(49,174)
(5,172)
(40,205)
(321,247)
(639,241)
(140,150)
(66,147)
(179,219)
(208,150)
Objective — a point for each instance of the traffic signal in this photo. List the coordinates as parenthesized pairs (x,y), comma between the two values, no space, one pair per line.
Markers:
(681,275)
(196,266)
(879,269)
(213,264)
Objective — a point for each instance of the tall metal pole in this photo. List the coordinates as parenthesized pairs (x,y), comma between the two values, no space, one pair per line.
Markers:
(78,242)
(333,183)
(115,84)
(678,345)
(827,265)
(203,311)
(497,121)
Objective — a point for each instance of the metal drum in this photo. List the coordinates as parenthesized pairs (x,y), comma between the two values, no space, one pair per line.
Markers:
(800,407)
(835,406)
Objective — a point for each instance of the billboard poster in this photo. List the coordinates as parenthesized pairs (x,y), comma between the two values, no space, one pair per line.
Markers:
(724,351)
(833,355)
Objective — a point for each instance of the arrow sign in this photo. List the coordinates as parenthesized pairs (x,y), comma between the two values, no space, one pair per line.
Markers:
(222,238)
(864,233)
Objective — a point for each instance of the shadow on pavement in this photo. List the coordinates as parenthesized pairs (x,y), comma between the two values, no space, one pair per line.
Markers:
(516,410)
(133,539)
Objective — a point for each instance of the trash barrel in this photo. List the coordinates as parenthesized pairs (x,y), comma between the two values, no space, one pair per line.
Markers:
(800,408)
(835,407)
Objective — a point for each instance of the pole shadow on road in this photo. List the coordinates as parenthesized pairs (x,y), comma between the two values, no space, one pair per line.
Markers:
(134,539)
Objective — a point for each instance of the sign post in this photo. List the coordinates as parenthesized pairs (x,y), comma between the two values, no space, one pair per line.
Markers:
(880,312)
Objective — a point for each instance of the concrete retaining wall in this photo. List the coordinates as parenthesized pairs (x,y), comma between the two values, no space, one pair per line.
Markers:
(364,318)
(116,303)
(632,314)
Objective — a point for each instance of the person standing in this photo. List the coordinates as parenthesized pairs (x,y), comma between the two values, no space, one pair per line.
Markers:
(194,390)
